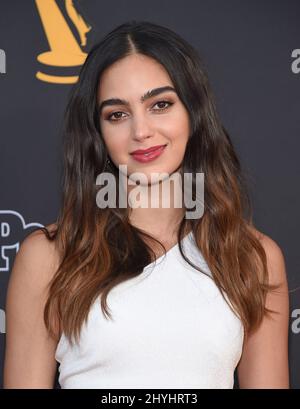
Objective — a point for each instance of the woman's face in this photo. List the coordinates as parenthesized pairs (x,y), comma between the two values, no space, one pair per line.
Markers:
(161,119)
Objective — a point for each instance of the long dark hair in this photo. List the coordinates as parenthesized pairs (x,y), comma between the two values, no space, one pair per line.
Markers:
(99,248)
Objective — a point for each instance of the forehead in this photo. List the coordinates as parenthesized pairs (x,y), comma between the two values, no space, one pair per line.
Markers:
(132,74)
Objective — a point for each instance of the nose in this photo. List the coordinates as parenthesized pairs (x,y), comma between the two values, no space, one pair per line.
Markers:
(142,128)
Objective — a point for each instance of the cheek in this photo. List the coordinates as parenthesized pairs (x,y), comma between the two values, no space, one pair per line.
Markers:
(179,130)
(117,149)
(115,141)
(179,123)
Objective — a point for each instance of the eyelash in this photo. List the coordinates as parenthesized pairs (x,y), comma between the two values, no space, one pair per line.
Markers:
(158,102)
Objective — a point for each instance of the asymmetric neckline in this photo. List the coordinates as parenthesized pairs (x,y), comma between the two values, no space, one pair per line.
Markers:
(173,248)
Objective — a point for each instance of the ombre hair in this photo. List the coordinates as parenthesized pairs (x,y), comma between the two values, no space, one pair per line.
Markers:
(99,248)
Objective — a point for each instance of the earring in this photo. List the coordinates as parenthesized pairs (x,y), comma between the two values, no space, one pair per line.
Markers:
(107,162)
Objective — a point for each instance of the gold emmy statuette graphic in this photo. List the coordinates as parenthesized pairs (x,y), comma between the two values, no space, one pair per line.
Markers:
(64,49)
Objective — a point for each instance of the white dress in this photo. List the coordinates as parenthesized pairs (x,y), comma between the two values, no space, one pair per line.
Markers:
(171,328)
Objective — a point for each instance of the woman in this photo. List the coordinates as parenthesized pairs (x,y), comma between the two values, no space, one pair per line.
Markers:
(214,300)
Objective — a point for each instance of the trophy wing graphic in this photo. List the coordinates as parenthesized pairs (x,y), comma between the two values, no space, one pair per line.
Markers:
(78,21)
(64,48)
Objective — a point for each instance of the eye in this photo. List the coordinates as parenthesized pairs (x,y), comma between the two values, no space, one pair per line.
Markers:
(163,102)
(111,115)
(119,117)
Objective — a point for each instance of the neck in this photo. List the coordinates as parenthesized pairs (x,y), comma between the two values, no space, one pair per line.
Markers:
(157,208)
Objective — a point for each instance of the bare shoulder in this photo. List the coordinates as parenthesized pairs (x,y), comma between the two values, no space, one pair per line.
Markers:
(264,361)
(38,248)
(36,261)
(30,351)
(38,236)
(275,257)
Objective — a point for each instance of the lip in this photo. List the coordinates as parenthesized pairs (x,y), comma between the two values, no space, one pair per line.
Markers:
(142,151)
(151,154)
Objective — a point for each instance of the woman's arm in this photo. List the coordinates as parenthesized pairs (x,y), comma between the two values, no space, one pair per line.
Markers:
(29,352)
(264,361)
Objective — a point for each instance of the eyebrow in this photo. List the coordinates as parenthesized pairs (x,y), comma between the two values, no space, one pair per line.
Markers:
(147,95)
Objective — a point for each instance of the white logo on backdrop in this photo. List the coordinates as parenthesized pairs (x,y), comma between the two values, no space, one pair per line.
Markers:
(6,231)
(296,63)
(2,62)
(12,227)
(296,323)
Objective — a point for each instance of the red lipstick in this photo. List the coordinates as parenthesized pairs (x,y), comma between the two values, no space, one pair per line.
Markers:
(146,155)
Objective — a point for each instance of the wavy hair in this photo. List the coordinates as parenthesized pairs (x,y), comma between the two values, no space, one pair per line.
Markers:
(99,248)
